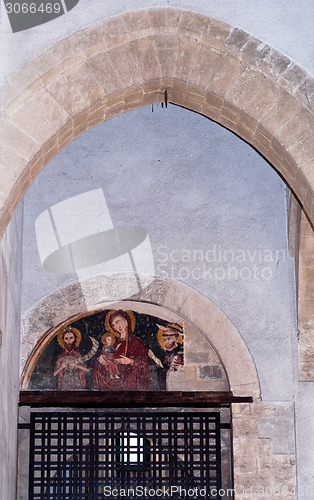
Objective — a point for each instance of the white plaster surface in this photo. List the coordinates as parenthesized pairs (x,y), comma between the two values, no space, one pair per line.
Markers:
(10,292)
(286,25)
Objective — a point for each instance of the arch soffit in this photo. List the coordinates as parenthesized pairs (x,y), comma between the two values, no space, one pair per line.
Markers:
(167,299)
(126,62)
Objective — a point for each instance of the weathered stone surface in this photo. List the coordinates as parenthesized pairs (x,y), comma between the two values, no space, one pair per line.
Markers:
(280,113)
(279,428)
(209,371)
(246,86)
(187,52)
(226,75)
(49,109)
(104,73)
(67,95)
(17,140)
(26,118)
(83,80)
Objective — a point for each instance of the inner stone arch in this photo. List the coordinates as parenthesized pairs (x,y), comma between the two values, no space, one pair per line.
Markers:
(216,357)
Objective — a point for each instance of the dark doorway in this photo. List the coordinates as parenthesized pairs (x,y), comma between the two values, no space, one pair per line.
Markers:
(92,456)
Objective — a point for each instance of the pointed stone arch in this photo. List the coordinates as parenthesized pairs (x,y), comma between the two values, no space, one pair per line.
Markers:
(129,61)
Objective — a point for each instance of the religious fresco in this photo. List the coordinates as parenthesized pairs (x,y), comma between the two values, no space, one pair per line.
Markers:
(112,350)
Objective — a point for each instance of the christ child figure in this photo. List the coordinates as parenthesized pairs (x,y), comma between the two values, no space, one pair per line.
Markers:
(107,357)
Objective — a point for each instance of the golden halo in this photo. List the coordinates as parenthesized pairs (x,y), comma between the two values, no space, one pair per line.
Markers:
(112,335)
(110,313)
(76,333)
(160,337)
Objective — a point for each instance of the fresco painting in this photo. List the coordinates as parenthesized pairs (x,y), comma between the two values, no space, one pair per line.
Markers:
(112,350)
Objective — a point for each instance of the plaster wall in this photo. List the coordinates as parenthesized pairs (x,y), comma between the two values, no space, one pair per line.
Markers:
(275,22)
(213,197)
(10,290)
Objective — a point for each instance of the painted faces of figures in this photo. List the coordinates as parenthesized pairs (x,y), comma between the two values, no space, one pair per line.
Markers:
(69,338)
(120,325)
(170,339)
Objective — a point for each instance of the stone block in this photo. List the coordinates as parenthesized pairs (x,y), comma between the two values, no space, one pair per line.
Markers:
(82,78)
(245,87)
(36,127)
(263,137)
(9,93)
(70,47)
(190,372)
(80,123)
(157,17)
(275,63)
(12,165)
(137,20)
(264,99)
(175,296)
(307,88)
(192,21)
(52,74)
(308,172)
(295,74)
(124,61)
(204,66)
(193,306)
(187,53)
(173,17)
(215,34)
(297,129)
(230,113)
(196,357)
(302,182)
(25,77)
(49,109)
(18,141)
(112,29)
(236,41)
(214,100)
(144,52)
(67,95)
(280,113)
(95,49)
(46,62)
(303,152)
(248,122)
(167,53)
(306,347)
(104,73)
(226,74)
(279,428)
(240,372)
(254,52)
(210,372)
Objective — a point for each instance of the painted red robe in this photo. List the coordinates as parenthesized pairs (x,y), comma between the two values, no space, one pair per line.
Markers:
(132,377)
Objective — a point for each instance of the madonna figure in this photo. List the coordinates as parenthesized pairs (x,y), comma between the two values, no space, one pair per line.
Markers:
(129,355)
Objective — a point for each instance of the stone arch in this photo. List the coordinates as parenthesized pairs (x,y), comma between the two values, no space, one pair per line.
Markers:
(129,61)
(167,299)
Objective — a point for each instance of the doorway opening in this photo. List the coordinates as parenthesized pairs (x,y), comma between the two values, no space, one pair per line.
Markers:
(114,454)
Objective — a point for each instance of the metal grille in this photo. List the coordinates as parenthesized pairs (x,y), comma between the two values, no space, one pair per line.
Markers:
(92,456)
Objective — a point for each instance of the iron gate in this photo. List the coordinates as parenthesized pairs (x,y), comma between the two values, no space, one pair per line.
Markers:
(93,456)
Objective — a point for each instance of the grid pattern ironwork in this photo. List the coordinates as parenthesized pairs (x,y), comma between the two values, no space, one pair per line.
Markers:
(92,456)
